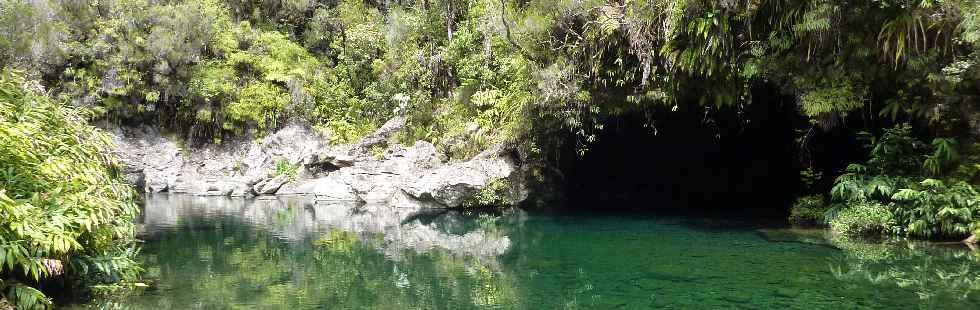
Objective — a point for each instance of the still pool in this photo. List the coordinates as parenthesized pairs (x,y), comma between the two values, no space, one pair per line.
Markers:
(219,253)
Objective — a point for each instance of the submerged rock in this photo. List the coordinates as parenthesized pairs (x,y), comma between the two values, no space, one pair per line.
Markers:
(817,236)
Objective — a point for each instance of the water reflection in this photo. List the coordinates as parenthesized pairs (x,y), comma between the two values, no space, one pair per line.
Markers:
(215,253)
(286,253)
(295,219)
(938,274)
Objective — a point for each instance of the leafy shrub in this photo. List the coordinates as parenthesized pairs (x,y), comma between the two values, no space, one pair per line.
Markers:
(260,105)
(283,167)
(65,208)
(495,194)
(862,219)
(841,99)
(894,178)
(808,210)
(934,209)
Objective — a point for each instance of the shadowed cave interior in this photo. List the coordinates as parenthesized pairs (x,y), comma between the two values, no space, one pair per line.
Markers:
(726,164)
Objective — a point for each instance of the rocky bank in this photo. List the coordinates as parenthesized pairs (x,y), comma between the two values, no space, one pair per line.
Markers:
(373,170)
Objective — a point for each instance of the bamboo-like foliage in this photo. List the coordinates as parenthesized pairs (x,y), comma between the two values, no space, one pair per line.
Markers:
(64,209)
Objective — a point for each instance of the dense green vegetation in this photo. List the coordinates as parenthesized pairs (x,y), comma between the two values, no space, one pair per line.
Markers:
(904,189)
(517,69)
(534,75)
(66,214)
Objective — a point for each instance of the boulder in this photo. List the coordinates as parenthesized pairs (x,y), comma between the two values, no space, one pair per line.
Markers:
(270,186)
(150,161)
(384,133)
(422,156)
(156,186)
(332,189)
(452,184)
(326,161)
(378,180)
(293,142)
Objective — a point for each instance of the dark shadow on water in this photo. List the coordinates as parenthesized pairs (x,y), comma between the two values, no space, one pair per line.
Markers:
(716,220)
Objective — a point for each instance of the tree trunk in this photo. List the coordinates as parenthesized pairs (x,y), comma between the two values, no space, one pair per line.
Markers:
(449,20)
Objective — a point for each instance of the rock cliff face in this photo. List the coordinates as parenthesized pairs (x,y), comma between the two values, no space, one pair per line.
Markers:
(402,175)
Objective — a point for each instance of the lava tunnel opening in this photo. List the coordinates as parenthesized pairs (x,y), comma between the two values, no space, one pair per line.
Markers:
(727,163)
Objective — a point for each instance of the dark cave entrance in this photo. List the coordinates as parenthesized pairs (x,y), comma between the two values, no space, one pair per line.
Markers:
(728,164)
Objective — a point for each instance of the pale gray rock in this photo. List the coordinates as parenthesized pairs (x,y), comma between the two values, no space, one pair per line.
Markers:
(149,161)
(327,160)
(404,176)
(270,186)
(452,184)
(382,134)
(374,179)
(329,188)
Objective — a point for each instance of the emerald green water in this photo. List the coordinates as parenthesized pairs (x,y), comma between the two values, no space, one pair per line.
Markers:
(211,253)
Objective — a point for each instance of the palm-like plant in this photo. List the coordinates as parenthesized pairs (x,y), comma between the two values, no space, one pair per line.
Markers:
(66,212)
